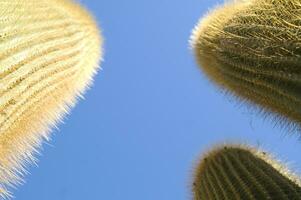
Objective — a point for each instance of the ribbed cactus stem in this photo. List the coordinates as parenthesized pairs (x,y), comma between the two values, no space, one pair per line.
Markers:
(252,48)
(49,52)
(236,172)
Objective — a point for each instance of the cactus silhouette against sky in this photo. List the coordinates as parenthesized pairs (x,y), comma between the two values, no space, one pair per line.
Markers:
(243,173)
(252,48)
(49,52)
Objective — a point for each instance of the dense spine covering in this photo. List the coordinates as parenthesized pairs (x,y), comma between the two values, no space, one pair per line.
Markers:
(235,173)
(49,52)
(253,49)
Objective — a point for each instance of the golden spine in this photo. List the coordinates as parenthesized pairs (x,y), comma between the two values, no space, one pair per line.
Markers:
(252,49)
(49,52)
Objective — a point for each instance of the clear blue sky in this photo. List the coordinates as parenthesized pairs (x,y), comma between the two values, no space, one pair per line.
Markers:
(148,116)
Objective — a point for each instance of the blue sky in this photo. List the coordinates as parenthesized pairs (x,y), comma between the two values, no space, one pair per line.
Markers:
(149,116)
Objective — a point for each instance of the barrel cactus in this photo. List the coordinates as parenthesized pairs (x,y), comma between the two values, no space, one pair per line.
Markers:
(252,48)
(238,172)
(49,52)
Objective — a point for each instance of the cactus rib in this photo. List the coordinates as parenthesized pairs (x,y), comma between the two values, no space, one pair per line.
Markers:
(252,48)
(49,53)
(237,172)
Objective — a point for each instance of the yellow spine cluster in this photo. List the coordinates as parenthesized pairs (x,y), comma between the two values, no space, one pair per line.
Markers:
(49,52)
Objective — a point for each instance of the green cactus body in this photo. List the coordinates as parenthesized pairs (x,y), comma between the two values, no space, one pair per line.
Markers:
(49,52)
(253,49)
(235,173)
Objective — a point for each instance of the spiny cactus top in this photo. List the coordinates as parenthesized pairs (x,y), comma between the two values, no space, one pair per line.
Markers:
(49,52)
(253,49)
(239,173)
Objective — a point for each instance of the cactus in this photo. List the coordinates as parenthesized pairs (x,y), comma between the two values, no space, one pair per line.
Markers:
(49,52)
(237,172)
(252,48)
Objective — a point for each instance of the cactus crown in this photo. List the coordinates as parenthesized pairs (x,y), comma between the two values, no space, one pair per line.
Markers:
(237,172)
(252,49)
(49,52)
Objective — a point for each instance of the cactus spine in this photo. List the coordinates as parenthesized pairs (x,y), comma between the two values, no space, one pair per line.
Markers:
(236,172)
(253,49)
(49,52)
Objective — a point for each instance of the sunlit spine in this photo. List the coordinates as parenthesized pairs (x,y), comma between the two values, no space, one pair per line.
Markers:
(49,52)
(252,48)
